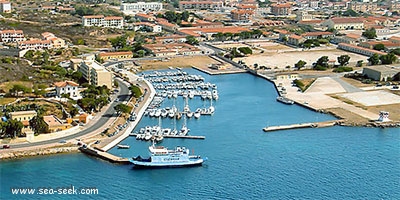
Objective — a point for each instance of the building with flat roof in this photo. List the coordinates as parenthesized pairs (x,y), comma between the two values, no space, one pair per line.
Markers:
(143,7)
(54,124)
(94,72)
(382,73)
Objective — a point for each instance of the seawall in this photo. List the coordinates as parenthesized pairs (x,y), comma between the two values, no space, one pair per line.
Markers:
(36,152)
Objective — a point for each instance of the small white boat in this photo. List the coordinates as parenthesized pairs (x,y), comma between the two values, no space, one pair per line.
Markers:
(189,114)
(123,146)
(197,114)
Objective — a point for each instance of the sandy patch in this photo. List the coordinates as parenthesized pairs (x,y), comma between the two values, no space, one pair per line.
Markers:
(373,98)
(325,85)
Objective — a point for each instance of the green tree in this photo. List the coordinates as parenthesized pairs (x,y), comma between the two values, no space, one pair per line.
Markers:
(322,63)
(396,51)
(191,40)
(13,128)
(374,59)
(136,91)
(379,47)
(122,108)
(39,125)
(245,50)
(389,58)
(185,15)
(300,64)
(116,84)
(359,63)
(343,60)
(370,33)
(17,88)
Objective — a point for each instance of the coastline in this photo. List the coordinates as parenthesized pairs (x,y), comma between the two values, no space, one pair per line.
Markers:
(14,155)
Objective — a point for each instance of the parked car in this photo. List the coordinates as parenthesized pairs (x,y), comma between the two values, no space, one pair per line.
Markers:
(6,146)
(63,141)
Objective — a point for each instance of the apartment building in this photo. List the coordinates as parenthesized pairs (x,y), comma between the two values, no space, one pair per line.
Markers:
(200,5)
(363,7)
(242,15)
(144,7)
(101,21)
(281,9)
(8,36)
(94,73)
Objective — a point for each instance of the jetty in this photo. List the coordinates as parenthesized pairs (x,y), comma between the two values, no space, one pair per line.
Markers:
(103,155)
(303,125)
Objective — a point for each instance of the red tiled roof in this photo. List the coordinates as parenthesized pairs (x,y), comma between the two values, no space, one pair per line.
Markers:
(12,31)
(116,53)
(93,16)
(113,18)
(65,83)
(347,20)
(285,5)
(353,36)
(317,33)
(294,36)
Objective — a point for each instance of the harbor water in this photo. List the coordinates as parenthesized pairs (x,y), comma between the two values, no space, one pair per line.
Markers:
(243,161)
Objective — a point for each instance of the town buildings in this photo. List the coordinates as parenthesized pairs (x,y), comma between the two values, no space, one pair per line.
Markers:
(281,9)
(174,49)
(200,5)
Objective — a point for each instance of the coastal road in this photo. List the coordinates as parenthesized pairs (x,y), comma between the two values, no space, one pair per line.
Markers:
(109,113)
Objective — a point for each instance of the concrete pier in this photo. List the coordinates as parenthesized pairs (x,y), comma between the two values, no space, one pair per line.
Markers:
(104,155)
(303,125)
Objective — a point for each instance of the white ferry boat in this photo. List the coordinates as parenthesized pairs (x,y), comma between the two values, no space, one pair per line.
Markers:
(162,157)
(284,100)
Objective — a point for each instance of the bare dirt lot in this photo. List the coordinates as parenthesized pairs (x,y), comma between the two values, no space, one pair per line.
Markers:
(186,61)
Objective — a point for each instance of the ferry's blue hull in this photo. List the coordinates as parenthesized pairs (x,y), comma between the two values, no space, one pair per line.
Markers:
(140,164)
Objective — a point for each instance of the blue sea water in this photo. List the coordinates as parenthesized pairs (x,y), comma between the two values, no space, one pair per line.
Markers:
(243,161)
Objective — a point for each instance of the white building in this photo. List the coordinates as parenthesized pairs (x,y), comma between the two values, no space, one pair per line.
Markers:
(143,7)
(5,7)
(11,36)
(101,21)
(67,87)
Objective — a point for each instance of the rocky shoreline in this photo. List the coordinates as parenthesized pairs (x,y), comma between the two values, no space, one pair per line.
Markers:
(11,155)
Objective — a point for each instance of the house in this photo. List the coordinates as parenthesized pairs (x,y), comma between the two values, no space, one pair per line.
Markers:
(345,23)
(381,73)
(55,41)
(295,39)
(54,124)
(283,34)
(84,118)
(349,38)
(67,87)
(145,17)
(116,55)
(167,26)
(24,117)
(5,7)
(146,26)
(395,39)
(8,36)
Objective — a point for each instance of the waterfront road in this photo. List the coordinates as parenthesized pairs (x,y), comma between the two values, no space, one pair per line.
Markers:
(107,115)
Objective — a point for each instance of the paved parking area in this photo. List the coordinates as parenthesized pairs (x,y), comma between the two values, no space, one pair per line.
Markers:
(373,98)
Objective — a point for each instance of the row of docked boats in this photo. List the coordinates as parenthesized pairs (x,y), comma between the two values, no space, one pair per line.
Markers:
(213,94)
(175,113)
